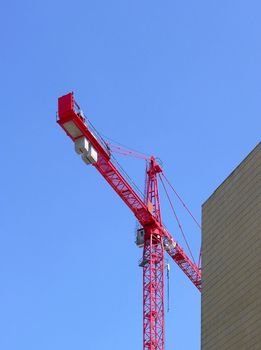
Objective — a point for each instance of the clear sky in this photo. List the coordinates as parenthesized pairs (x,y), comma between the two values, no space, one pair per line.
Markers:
(178,79)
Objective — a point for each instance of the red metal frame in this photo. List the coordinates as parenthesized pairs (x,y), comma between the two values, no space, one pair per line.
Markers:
(157,239)
(153,268)
(153,292)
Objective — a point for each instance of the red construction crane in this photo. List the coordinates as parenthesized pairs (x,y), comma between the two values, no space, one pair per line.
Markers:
(152,234)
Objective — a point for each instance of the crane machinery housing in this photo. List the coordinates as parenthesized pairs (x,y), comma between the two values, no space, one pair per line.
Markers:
(152,235)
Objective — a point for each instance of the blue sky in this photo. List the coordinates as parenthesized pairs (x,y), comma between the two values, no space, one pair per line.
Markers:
(178,79)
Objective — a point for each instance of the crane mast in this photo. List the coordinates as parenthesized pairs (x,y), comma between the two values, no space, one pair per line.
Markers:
(153,267)
(152,235)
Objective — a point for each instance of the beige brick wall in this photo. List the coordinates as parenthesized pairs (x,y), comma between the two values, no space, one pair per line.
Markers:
(231,260)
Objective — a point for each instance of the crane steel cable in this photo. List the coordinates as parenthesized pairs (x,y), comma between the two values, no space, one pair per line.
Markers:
(177,219)
(188,210)
(181,200)
(126,152)
(124,146)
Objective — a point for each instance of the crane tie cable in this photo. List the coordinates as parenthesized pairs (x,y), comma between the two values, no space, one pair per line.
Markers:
(177,219)
(182,202)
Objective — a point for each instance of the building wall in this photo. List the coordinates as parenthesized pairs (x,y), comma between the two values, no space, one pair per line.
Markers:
(231,260)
